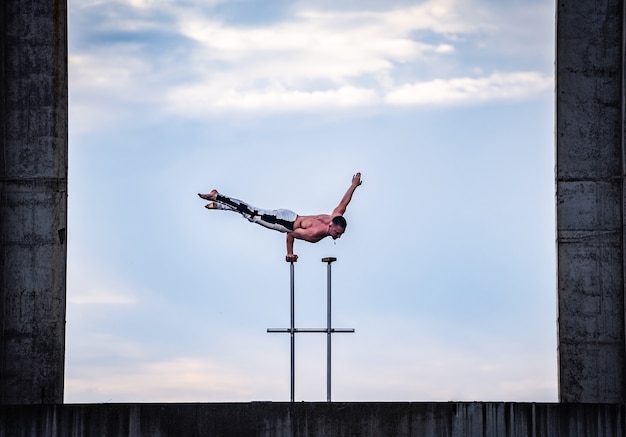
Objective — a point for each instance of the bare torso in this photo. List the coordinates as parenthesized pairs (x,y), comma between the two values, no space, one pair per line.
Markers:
(311,228)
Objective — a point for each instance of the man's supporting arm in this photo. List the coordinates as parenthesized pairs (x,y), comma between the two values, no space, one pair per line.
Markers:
(291,257)
(341,208)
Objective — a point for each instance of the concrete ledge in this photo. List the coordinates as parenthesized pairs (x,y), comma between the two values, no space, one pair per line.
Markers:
(306,419)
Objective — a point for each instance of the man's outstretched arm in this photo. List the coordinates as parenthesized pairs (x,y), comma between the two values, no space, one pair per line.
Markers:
(345,200)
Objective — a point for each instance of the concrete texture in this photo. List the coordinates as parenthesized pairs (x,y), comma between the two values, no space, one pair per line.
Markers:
(590,200)
(459,419)
(33,200)
(590,247)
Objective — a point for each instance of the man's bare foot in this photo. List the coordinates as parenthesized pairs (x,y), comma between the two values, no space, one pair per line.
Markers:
(212,205)
(211,196)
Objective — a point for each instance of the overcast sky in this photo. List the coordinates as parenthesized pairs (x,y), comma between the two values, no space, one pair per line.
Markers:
(447,268)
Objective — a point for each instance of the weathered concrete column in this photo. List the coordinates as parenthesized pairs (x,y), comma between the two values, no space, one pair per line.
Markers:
(590,200)
(33,199)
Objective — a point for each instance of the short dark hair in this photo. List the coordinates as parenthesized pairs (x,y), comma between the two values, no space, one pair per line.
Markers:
(339,221)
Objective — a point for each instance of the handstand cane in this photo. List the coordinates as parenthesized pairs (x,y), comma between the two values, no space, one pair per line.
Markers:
(329,330)
(329,326)
(292,331)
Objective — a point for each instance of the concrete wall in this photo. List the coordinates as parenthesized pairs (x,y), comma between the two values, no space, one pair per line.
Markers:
(314,419)
(590,208)
(33,197)
(590,200)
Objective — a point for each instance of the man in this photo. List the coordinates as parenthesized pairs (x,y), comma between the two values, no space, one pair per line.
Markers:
(311,228)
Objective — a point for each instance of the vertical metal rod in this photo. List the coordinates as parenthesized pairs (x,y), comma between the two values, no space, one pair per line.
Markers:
(328,326)
(328,337)
(292,331)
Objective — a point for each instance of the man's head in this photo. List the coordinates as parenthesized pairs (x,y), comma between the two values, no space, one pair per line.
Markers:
(337,227)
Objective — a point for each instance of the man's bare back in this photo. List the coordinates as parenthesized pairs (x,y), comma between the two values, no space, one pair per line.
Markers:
(311,228)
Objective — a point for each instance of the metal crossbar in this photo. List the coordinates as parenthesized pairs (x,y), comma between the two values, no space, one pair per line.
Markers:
(329,330)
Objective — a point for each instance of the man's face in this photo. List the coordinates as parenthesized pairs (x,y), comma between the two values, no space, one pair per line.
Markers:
(335,231)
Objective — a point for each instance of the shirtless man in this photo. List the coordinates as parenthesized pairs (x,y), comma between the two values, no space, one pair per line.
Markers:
(311,228)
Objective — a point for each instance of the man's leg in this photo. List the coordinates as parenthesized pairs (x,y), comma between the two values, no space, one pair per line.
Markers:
(228,203)
(237,205)
(281,220)
(220,206)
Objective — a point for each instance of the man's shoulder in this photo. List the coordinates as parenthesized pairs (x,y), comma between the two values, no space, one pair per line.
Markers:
(320,217)
(307,221)
(323,218)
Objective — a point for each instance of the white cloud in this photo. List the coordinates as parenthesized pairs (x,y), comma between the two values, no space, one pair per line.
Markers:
(316,48)
(498,86)
(338,38)
(203,99)
(314,60)
(110,71)
(439,16)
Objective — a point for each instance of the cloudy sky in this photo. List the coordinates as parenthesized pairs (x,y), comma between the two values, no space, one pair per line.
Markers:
(447,268)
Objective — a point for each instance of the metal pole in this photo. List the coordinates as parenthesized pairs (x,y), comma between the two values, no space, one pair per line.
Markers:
(292,331)
(328,326)
(329,330)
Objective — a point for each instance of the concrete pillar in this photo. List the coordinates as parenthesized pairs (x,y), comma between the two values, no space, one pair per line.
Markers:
(590,200)
(33,199)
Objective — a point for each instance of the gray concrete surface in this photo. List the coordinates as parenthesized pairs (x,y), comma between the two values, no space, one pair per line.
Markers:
(454,419)
(590,200)
(590,239)
(33,199)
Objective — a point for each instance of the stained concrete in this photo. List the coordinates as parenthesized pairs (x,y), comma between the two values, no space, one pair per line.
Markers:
(33,200)
(590,246)
(458,419)
(590,200)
